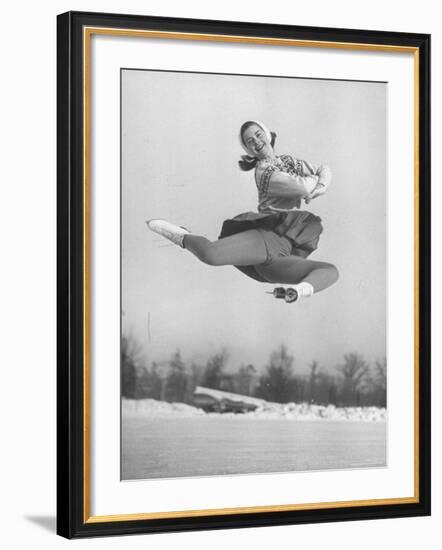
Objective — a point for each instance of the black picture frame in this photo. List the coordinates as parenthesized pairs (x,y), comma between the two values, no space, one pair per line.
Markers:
(73,518)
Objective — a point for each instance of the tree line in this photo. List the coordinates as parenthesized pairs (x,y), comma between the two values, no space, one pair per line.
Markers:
(353,382)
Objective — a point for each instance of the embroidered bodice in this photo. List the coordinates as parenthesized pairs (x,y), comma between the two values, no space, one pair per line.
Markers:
(279,194)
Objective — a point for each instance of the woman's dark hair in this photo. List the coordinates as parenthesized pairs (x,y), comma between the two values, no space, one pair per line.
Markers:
(248,162)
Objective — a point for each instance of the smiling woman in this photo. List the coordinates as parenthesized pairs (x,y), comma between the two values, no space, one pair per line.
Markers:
(256,139)
(270,245)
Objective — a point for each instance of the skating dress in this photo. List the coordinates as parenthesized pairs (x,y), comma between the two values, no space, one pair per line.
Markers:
(286,230)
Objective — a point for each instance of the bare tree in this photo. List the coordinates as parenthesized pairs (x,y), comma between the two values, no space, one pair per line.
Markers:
(245,379)
(327,391)
(354,369)
(214,371)
(313,380)
(378,383)
(130,362)
(176,381)
(277,384)
(149,383)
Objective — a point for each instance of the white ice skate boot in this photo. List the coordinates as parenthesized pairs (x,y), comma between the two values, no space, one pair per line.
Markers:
(301,290)
(168,230)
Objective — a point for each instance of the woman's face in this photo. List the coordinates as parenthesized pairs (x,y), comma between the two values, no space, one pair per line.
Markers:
(256,141)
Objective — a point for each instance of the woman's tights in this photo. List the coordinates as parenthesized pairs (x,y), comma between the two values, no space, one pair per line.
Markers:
(248,248)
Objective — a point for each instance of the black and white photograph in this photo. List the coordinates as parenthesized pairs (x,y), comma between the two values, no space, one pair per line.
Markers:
(253,274)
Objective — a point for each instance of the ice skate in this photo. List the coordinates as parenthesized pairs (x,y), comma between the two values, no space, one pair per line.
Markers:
(168,230)
(292,294)
(289,295)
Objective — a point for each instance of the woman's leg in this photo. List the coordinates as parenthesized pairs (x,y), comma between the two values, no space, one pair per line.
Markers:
(246,248)
(295,270)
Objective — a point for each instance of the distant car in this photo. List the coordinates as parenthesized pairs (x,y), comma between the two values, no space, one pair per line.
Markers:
(209,403)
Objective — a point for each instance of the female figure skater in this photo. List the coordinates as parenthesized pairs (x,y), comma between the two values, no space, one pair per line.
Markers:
(270,245)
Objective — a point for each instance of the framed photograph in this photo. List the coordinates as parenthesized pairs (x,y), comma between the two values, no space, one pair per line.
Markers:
(243,274)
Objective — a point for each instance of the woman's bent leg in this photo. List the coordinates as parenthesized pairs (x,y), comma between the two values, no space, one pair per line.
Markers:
(295,270)
(246,248)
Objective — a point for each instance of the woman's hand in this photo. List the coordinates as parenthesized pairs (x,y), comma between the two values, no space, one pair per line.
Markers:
(317,192)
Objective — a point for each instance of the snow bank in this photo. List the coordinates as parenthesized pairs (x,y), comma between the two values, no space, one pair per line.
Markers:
(154,408)
(305,411)
(290,411)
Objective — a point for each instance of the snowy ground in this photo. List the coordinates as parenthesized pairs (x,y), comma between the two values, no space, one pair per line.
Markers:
(156,409)
(168,440)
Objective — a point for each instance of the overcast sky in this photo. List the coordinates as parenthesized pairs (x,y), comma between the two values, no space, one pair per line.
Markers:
(179,162)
